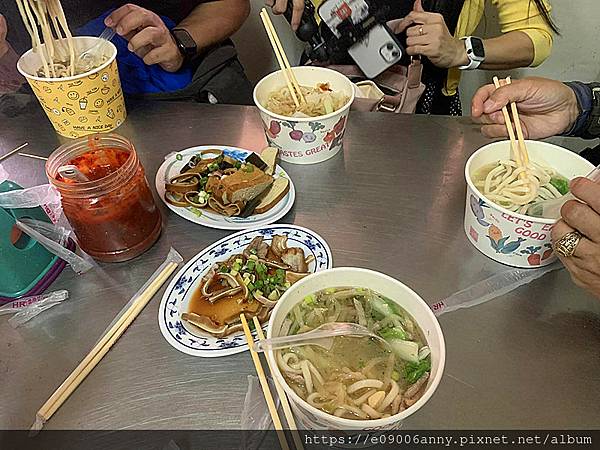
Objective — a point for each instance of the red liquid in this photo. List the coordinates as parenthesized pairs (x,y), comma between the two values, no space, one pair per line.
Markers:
(117,225)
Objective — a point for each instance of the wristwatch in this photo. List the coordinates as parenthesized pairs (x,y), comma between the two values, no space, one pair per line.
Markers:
(185,43)
(475,52)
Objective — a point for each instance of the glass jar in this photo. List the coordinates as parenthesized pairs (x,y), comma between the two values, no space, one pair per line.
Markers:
(113,214)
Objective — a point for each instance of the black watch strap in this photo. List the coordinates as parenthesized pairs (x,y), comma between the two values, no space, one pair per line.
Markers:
(592,126)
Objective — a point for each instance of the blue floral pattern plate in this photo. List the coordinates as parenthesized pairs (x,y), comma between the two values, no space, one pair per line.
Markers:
(175,161)
(189,339)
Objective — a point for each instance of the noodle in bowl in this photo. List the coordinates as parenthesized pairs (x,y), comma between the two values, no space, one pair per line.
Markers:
(305,140)
(83,104)
(313,418)
(506,235)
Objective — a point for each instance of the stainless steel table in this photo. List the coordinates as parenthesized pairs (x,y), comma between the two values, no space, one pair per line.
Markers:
(393,202)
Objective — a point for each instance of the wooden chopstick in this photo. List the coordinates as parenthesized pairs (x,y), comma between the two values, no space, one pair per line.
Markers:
(282,59)
(30,155)
(102,347)
(285,404)
(520,137)
(13,151)
(511,133)
(265,385)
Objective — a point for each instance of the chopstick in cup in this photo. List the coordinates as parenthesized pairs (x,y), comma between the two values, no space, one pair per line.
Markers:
(282,59)
(511,133)
(520,137)
(285,404)
(265,385)
(71,383)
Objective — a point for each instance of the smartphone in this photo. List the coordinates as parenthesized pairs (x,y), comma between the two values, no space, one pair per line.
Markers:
(374,53)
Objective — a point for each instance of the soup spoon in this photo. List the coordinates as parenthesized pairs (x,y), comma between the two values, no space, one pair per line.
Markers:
(550,209)
(321,336)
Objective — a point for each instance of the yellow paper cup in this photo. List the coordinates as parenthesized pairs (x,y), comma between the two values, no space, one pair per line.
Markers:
(83,104)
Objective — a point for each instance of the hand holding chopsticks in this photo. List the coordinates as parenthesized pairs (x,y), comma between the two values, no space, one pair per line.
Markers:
(282,59)
(519,148)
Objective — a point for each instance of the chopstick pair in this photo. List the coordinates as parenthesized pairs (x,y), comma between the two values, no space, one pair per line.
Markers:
(521,156)
(267,392)
(105,343)
(282,59)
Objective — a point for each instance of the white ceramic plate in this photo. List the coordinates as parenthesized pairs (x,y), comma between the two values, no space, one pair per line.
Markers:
(189,339)
(173,164)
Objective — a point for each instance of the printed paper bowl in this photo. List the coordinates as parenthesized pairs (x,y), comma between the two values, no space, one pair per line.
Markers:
(312,418)
(307,140)
(505,236)
(83,104)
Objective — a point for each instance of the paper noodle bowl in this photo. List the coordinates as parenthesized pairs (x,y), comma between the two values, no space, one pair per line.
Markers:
(306,140)
(505,236)
(312,418)
(83,104)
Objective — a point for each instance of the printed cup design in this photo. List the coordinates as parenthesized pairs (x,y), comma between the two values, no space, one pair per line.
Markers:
(84,104)
(507,237)
(305,140)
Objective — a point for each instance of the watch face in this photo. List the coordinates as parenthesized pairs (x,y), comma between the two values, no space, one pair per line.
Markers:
(478,49)
(185,41)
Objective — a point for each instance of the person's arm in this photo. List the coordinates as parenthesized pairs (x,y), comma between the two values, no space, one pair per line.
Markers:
(212,22)
(208,24)
(526,38)
(10,79)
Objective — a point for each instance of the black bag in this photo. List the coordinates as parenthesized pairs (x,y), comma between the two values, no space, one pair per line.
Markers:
(218,78)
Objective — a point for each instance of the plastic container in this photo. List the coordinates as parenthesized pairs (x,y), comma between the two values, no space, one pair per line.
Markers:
(114,215)
(305,140)
(505,236)
(312,418)
(82,104)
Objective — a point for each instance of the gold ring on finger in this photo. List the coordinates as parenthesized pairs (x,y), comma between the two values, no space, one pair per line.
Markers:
(567,244)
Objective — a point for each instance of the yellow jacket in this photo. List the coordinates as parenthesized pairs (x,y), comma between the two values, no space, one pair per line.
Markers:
(513,15)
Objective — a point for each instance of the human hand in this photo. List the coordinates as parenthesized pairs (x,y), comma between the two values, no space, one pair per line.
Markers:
(280,6)
(584,265)
(546,107)
(427,34)
(148,36)
(3,32)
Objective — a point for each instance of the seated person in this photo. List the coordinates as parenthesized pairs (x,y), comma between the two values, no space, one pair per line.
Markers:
(166,49)
(436,30)
(546,108)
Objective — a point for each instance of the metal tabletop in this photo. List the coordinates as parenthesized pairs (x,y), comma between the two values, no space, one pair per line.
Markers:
(393,201)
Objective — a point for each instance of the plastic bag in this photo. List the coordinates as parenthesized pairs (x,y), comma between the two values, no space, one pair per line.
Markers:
(490,288)
(25,302)
(32,197)
(39,303)
(256,419)
(54,239)
(172,257)
(3,174)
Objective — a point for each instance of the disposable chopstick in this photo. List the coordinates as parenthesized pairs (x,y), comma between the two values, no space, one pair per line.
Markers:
(100,349)
(283,55)
(289,416)
(266,21)
(265,385)
(511,132)
(12,152)
(520,137)
(29,155)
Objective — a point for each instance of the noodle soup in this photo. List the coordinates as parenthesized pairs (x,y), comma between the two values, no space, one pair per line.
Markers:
(359,384)
(493,220)
(359,378)
(314,132)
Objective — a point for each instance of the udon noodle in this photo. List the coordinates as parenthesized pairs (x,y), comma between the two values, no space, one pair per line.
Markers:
(320,100)
(501,183)
(51,38)
(359,377)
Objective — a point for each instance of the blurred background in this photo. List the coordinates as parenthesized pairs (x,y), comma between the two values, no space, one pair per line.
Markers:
(575,56)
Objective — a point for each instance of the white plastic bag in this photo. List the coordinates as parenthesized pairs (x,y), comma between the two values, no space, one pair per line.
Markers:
(3,174)
(256,419)
(36,305)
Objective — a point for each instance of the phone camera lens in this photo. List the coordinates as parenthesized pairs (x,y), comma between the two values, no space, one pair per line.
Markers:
(390,46)
(395,54)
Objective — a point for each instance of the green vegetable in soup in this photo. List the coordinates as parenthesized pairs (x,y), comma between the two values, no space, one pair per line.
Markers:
(561,184)
(393,333)
(414,371)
